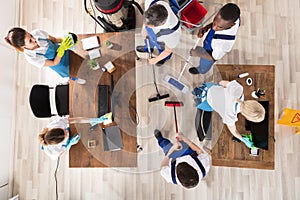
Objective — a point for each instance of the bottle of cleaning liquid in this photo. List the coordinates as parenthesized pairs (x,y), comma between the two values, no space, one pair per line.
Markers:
(78,80)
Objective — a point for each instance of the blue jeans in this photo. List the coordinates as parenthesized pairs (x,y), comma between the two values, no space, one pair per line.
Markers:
(205,64)
(166,145)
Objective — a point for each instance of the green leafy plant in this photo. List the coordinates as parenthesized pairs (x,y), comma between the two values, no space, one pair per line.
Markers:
(93,64)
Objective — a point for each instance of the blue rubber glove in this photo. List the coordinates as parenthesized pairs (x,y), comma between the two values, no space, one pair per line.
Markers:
(106,119)
(247,139)
(74,140)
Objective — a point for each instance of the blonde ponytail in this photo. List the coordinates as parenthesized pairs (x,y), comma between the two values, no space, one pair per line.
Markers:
(252,110)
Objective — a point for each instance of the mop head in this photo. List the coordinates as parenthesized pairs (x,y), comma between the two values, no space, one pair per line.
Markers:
(176,84)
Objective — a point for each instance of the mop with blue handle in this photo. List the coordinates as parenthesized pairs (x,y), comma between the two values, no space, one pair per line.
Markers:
(176,82)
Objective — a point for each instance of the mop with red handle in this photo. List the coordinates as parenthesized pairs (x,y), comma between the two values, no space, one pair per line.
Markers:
(175,104)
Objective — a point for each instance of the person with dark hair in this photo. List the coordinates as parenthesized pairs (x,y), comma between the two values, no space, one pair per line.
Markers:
(55,138)
(162,29)
(184,163)
(42,49)
(219,40)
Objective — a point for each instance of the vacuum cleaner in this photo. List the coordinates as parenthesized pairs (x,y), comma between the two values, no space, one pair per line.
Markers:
(158,96)
(117,15)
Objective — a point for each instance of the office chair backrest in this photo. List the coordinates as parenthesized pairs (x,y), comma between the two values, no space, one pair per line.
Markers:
(39,100)
(62,99)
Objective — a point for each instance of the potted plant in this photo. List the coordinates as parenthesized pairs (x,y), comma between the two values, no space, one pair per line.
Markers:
(259,93)
(93,64)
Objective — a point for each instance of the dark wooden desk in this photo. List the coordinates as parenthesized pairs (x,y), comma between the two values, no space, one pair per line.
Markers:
(231,154)
(84,102)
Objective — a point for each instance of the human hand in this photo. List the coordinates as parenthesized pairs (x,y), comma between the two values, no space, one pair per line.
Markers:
(177,146)
(65,45)
(179,136)
(74,140)
(201,32)
(247,140)
(152,61)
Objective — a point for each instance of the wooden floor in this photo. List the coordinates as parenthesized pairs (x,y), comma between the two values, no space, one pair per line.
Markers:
(269,34)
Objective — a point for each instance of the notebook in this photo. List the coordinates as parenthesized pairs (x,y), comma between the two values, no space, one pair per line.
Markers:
(90,42)
(112,139)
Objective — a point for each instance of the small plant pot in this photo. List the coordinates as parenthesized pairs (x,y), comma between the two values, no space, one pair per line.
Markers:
(93,64)
(95,67)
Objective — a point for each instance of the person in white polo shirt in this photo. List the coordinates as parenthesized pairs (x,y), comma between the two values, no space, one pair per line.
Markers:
(219,39)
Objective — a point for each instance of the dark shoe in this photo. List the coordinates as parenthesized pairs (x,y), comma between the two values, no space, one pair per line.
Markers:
(193,70)
(160,63)
(142,49)
(142,52)
(157,134)
(234,139)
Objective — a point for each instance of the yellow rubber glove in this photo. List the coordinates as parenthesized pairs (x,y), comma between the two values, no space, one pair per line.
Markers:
(65,45)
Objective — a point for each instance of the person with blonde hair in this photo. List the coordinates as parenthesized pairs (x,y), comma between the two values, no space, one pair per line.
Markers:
(55,138)
(41,49)
(227,99)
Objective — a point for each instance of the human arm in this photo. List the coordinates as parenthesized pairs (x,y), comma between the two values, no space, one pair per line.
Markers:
(234,131)
(161,56)
(165,161)
(248,142)
(55,39)
(66,43)
(191,144)
(224,83)
(204,30)
(49,63)
(197,52)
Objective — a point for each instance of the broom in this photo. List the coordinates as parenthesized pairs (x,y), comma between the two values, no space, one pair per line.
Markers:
(158,96)
(175,104)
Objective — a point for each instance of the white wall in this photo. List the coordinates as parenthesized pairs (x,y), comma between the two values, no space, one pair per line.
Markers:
(7,90)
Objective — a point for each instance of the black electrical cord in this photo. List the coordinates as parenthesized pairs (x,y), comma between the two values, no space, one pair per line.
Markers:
(55,177)
(3,185)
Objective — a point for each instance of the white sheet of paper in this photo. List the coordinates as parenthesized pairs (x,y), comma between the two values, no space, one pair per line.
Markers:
(94,53)
(90,43)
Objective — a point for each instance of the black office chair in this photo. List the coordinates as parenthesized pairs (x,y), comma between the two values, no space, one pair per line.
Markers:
(39,100)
